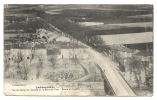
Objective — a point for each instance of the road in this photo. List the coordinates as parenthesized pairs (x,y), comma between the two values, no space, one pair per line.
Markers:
(87,74)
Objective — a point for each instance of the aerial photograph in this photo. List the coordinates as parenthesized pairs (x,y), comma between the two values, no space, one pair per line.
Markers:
(78,50)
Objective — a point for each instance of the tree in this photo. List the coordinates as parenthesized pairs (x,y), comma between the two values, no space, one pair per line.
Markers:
(40,67)
(53,61)
(40,59)
(25,72)
(23,69)
(136,68)
(6,60)
(75,60)
(18,58)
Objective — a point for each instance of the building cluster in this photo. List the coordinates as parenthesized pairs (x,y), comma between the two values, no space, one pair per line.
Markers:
(45,51)
(137,65)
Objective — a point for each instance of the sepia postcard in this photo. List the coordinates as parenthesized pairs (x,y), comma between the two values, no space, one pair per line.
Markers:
(78,50)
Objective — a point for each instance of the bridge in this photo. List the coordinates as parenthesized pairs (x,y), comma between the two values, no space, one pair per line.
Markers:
(110,89)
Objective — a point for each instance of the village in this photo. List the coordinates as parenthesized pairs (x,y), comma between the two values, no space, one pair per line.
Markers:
(58,50)
(43,51)
(54,59)
(39,53)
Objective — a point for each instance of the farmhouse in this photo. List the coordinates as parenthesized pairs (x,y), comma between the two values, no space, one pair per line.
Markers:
(27,52)
(53,51)
(73,50)
(120,51)
(40,51)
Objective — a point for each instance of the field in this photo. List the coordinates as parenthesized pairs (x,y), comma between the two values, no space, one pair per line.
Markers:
(132,38)
(120,21)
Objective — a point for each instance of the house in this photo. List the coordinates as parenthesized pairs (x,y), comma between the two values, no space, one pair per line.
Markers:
(124,63)
(39,51)
(125,57)
(73,50)
(120,51)
(55,52)
(67,50)
(127,67)
(24,50)
(63,39)
(52,45)
(28,52)
(146,58)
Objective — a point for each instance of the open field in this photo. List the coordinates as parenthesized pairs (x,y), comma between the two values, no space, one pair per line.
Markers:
(132,38)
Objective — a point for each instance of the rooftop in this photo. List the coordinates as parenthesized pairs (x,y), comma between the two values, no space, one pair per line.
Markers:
(143,59)
(68,45)
(144,53)
(21,46)
(28,46)
(39,40)
(54,51)
(59,45)
(40,46)
(128,61)
(122,48)
(51,46)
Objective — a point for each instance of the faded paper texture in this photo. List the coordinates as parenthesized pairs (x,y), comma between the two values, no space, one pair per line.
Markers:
(78,50)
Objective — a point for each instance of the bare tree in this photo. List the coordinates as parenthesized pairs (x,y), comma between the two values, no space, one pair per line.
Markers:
(40,67)
(7,72)
(53,61)
(6,60)
(23,69)
(40,59)
(18,58)
(75,60)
